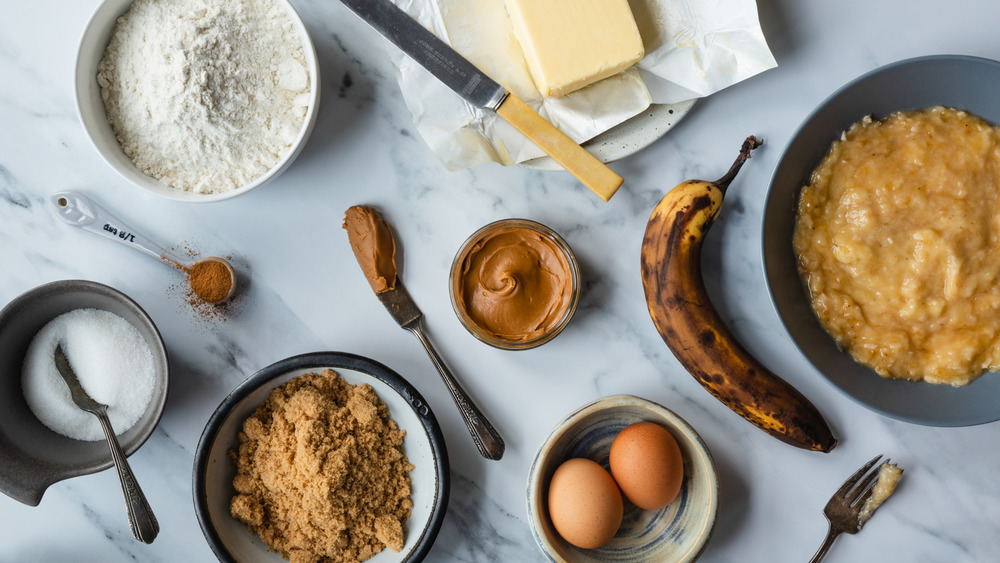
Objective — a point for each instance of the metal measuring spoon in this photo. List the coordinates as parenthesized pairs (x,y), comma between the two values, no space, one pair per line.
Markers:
(141,520)
(78,210)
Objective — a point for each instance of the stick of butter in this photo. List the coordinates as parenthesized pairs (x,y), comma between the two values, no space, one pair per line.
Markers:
(569,44)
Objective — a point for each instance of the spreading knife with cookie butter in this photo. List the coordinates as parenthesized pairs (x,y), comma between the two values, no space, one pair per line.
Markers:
(375,249)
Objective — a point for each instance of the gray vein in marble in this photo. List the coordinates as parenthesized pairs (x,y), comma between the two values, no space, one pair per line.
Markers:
(24,69)
(230,353)
(949,540)
(115,531)
(480,529)
(171,441)
(7,191)
(362,91)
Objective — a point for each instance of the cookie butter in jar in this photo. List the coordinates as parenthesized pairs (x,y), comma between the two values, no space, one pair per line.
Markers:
(515,284)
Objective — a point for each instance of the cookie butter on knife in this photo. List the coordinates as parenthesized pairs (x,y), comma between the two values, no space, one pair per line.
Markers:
(373,246)
(569,44)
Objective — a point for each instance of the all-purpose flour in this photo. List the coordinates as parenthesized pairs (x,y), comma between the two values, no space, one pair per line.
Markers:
(205,95)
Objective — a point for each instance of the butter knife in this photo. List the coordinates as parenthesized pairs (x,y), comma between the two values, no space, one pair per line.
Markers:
(405,311)
(481,91)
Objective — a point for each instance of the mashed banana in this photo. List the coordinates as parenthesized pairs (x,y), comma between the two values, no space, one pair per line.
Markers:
(898,243)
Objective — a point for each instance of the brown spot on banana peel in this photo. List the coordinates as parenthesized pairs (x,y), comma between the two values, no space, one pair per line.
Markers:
(689,324)
(707,338)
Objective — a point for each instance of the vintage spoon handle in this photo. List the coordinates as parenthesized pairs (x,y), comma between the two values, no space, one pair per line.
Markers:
(140,516)
(486,437)
(78,210)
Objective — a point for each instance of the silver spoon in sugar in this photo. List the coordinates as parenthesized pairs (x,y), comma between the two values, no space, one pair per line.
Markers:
(208,277)
(141,520)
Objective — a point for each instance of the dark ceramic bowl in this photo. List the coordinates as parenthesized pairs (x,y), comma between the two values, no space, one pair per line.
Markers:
(32,457)
(966,83)
(424,447)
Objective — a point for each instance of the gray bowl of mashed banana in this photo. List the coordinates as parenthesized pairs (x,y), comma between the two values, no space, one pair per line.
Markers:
(825,326)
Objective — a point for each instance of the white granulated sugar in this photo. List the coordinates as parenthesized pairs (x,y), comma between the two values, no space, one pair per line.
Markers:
(205,95)
(110,358)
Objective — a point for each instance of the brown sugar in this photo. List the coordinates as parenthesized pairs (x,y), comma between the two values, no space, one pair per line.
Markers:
(321,475)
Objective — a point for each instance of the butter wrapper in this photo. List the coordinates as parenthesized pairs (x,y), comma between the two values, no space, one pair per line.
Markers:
(695,48)
(692,49)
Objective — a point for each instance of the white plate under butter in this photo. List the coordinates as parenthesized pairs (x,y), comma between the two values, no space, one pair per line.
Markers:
(90,107)
(628,138)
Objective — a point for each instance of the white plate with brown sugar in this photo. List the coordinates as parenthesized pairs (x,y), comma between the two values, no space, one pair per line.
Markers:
(423,446)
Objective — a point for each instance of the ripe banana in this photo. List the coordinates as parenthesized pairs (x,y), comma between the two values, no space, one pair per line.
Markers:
(689,324)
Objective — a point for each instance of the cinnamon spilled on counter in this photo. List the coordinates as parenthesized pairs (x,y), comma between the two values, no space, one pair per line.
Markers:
(207,282)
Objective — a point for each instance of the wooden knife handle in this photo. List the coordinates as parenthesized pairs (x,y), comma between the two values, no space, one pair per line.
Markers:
(575,159)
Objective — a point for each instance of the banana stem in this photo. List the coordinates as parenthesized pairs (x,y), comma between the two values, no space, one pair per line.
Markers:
(748,145)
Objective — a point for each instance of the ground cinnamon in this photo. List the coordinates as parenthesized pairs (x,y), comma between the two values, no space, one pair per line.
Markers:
(210,280)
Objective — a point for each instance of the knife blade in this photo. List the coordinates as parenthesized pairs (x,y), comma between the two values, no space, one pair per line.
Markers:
(456,72)
(401,305)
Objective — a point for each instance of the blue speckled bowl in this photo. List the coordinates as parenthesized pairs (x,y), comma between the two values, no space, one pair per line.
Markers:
(677,533)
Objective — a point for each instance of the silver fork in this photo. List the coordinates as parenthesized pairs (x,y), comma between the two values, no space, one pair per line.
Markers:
(845,505)
(141,520)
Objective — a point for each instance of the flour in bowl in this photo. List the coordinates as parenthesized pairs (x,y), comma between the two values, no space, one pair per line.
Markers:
(205,95)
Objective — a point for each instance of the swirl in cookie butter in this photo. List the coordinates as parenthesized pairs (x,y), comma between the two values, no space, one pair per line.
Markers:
(515,284)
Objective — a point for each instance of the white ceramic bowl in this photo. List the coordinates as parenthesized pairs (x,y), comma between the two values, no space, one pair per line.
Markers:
(676,533)
(94,118)
(424,447)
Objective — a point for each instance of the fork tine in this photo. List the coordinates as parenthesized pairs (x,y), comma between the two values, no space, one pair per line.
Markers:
(853,479)
(864,488)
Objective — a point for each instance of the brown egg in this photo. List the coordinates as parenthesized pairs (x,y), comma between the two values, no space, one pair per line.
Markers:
(647,465)
(585,505)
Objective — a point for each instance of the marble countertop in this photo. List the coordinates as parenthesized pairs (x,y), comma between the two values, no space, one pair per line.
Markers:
(305,293)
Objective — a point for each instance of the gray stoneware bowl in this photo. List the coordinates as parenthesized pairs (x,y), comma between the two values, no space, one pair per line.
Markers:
(90,107)
(423,445)
(32,456)
(677,533)
(962,82)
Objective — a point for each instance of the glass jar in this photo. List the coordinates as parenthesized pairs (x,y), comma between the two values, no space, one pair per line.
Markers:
(515,284)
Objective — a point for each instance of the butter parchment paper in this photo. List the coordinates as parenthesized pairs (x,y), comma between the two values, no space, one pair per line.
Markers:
(693,48)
